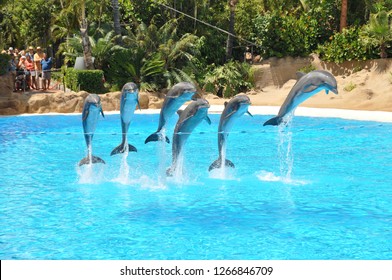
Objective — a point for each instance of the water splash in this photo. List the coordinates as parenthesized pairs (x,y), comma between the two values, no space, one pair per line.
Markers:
(267,176)
(123,176)
(162,158)
(223,173)
(285,152)
(90,173)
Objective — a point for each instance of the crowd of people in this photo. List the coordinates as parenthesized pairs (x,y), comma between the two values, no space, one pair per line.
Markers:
(31,69)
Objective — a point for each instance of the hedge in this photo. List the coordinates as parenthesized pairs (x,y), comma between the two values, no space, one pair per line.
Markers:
(87,80)
(4,60)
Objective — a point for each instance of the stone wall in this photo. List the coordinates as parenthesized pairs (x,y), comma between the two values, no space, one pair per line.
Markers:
(277,71)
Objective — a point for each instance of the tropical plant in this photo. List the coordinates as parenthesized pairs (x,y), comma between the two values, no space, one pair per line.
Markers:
(229,79)
(378,32)
(345,46)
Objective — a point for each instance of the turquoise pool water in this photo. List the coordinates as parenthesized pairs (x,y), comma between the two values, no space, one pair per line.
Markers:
(320,190)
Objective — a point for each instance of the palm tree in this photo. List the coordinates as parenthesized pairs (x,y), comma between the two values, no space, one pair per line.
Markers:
(343,15)
(116,20)
(378,32)
(230,38)
(88,58)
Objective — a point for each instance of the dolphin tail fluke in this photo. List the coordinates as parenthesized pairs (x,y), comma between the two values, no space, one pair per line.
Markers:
(94,159)
(273,121)
(120,149)
(157,136)
(218,164)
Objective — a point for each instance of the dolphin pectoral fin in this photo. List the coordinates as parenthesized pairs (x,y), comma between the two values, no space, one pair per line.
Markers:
(207,118)
(218,164)
(229,115)
(103,115)
(273,121)
(157,136)
(94,159)
(179,112)
(249,114)
(326,91)
(85,115)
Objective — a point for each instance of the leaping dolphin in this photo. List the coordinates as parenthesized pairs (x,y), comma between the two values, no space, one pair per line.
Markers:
(129,100)
(175,98)
(306,86)
(234,109)
(192,116)
(91,110)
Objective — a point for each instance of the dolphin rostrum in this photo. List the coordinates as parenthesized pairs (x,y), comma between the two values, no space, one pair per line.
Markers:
(175,98)
(91,110)
(192,116)
(129,100)
(306,86)
(234,109)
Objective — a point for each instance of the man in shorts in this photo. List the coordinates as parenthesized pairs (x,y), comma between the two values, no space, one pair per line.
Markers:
(46,64)
(38,56)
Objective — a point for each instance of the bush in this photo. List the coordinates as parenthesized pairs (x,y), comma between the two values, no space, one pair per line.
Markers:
(346,46)
(88,80)
(4,60)
(229,79)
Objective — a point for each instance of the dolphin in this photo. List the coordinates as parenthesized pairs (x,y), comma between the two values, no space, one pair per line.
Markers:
(91,110)
(192,116)
(175,98)
(306,86)
(234,109)
(129,100)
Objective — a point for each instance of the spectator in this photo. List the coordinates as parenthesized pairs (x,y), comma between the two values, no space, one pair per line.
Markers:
(30,68)
(38,56)
(46,71)
(30,53)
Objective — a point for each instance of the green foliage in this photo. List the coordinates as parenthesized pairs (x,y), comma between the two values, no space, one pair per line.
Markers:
(378,32)
(307,68)
(231,78)
(296,33)
(350,86)
(88,80)
(4,63)
(346,46)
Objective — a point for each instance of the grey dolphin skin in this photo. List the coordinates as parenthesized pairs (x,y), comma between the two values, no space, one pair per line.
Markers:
(192,116)
(306,86)
(175,98)
(91,110)
(129,100)
(234,109)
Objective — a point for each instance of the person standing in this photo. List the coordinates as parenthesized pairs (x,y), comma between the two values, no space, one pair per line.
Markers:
(46,71)
(38,56)
(30,68)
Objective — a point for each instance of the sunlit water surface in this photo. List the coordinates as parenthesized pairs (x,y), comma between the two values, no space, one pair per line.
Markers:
(319,189)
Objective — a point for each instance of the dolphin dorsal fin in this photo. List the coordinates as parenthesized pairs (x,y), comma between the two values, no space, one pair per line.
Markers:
(179,112)
(249,114)
(207,118)
(300,75)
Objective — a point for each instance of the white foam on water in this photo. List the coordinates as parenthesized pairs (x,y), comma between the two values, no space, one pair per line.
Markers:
(90,173)
(267,176)
(123,176)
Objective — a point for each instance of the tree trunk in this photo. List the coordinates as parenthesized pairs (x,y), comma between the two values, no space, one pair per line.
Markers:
(230,39)
(116,20)
(88,58)
(343,15)
(383,51)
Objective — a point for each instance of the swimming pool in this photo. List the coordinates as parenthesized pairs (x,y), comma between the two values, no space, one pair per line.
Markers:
(319,190)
